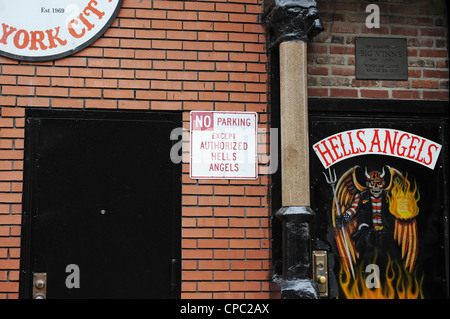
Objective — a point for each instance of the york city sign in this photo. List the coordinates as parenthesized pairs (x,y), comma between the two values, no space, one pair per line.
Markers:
(50,29)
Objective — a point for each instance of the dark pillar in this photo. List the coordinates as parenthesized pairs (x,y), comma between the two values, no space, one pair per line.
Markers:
(290,24)
(297,273)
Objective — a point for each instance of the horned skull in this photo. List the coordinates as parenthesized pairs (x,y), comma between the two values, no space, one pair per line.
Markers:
(375,182)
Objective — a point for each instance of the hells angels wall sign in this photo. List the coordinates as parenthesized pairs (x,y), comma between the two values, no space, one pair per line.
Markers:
(50,29)
(379,197)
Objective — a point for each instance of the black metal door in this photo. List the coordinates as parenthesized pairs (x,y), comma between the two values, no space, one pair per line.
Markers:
(395,203)
(101,205)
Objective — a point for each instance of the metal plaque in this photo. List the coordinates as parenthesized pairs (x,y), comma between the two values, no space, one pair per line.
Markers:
(381,58)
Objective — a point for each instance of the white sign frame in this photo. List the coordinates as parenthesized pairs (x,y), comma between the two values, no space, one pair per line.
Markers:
(377,141)
(46,30)
(228,141)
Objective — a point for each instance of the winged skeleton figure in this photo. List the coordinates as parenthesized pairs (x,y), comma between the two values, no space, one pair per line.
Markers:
(359,209)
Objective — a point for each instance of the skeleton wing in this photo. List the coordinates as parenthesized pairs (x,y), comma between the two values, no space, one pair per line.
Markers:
(346,189)
(405,233)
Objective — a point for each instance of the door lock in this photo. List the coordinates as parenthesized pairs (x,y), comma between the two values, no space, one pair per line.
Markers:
(322,279)
(320,271)
(39,285)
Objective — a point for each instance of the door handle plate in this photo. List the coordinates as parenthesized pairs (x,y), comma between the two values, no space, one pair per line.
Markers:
(39,285)
(320,271)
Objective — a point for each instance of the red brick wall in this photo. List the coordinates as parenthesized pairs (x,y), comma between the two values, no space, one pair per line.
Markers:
(160,55)
(207,55)
(331,54)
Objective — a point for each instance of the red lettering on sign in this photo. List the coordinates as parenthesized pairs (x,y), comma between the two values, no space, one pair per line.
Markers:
(325,152)
(420,151)
(412,147)
(90,8)
(52,38)
(34,39)
(350,138)
(361,140)
(25,40)
(382,141)
(202,121)
(334,147)
(6,33)
(234,121)
(430,153)
(223,167)
(72,29)
(375,141)
(95,11)
(389,142)
(37,37)
(402,153)
(343,145)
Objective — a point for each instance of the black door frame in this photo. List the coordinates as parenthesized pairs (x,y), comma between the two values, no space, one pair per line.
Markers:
(339,107)
(402,111)
(30,168)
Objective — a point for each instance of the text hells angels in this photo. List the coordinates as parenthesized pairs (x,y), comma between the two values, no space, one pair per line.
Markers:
(377,141)
(223,152)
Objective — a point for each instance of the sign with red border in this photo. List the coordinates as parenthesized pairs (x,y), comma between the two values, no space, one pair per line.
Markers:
(51,29)
(223,145)
(377,141)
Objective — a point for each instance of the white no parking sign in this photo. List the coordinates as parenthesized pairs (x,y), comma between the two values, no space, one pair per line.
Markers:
(223,145)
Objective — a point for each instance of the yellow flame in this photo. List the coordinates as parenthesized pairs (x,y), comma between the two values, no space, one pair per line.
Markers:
(398,284)
(403,200)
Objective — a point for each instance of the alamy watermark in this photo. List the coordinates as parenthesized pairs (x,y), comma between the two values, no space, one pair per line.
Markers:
(373,279)
(373,19)
(73,279)
(176,152)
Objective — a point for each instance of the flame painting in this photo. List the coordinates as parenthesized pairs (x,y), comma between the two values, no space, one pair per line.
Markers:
(377,220)
(403,205)
(398,284)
